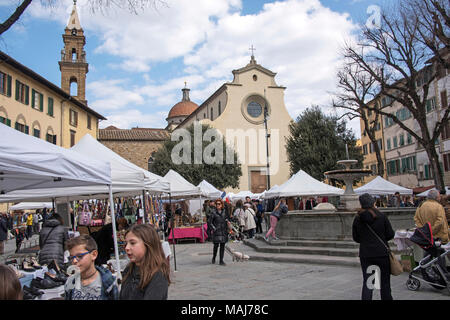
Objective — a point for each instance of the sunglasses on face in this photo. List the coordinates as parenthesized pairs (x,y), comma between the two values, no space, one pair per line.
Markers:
(79,256)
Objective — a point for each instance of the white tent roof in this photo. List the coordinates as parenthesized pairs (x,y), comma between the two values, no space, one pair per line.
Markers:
(127,179)
(302,184)
(270,193)
(180,187)
(208,190)
(31,206)
(380,186)
(27,162)
(425,193)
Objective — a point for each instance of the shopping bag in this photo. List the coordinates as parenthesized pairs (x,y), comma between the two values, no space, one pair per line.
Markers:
(85,216)
(396,266)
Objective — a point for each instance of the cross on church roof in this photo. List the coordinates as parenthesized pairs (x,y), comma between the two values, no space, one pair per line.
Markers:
(252,49)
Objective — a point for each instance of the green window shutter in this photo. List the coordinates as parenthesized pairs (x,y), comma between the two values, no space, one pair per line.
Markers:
(27,130)
(8,88)
(33,93)
(27,94)
(50,106)
(8,122)
(41,102)
(17,90)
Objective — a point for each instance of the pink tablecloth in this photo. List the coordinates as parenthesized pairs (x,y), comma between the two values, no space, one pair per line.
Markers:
(194,232)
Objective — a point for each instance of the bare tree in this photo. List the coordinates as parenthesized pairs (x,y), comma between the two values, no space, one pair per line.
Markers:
(357,90)
(133,6)
(398,57)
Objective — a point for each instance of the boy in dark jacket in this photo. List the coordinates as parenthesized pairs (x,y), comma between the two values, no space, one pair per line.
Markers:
(371,251)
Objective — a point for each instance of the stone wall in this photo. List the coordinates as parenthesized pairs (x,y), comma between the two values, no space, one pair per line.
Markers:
(137,152)
(297,225)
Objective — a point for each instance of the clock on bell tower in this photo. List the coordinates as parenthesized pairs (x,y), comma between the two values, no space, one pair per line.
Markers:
(73,65)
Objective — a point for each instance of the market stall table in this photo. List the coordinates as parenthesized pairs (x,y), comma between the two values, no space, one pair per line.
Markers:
(188,233)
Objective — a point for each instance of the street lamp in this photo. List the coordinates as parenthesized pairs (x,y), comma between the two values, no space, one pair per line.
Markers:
(266,117)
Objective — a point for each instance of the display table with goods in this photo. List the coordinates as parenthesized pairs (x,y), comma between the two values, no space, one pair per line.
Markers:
(39,282)
(189,233)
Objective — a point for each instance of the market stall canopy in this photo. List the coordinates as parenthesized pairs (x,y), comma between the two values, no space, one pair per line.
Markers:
(208,190)
(127,179)
(27,162)
(380,186)
(302,184)
(180,187)
(270,193)
(241,195)
(425,193)
(31,206)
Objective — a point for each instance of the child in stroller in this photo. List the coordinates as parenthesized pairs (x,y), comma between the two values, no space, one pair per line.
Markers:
(431,268)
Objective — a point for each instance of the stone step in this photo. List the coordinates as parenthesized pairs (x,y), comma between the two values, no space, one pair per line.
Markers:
(307,247)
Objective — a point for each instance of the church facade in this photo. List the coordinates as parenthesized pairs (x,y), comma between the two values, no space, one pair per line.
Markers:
(237,110)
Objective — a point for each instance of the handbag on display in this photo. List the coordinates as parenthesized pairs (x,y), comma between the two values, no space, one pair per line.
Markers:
(396,266)
(85,216)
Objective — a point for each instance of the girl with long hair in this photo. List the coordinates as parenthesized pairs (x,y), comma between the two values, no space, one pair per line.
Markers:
(147,276)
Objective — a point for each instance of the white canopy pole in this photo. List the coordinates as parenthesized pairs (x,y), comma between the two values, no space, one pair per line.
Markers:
(201,218)
(116,247)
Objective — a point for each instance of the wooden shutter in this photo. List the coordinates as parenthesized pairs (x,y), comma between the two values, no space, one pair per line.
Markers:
(27,94)
(50,106)
(8,122)
(8,84)
(41,102)
(33,93)
(17,90)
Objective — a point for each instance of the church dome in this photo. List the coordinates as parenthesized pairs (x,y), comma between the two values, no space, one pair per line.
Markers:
(183,108)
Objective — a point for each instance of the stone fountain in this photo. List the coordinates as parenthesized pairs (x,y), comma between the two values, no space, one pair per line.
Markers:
(349,199)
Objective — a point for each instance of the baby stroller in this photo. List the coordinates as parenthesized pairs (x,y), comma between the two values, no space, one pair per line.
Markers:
(235,233)
(431,268)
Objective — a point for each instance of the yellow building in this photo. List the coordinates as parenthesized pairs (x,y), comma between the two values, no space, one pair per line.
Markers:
(33,105)
(370,157)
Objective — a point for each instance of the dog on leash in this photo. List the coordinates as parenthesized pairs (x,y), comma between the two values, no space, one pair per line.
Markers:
(239,256)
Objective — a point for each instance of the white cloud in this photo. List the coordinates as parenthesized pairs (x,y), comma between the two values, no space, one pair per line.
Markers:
(300,40)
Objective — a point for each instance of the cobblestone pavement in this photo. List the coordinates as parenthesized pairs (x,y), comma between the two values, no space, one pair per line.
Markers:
(197,279)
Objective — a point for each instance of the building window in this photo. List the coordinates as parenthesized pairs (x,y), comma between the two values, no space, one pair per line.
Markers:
(446,131)
(5,84)
(36,133)
(220,109)
(409,139)
(50,138)
(394,141)
(22,128)
(50,107)
(447,162)
(365,149)
(430,104)
(388,144)
(393,167)
(37,100)
(89,124)
(402,139)
(212,116)
(72,138)
(22,92)
(409,164)
(254,109)
(73,118)
(427,171)
(373,167)
(444,103)
(380,144)
(5,121)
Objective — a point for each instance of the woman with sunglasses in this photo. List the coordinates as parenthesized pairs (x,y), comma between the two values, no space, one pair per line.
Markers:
(220,222)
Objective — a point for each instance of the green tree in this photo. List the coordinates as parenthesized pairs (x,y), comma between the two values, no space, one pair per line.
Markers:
(317,142)
(220,174)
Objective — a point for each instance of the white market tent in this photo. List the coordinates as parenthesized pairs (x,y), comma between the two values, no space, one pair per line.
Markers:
(380,186)
(302,184)
(208,191)
(241,195)
(180,187)
(27,162)
(268,194)
(31,206)
(425,193)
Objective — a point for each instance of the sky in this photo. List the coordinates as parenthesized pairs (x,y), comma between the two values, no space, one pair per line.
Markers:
(138,63)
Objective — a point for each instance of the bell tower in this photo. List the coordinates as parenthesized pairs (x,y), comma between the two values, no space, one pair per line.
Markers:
(73,65)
